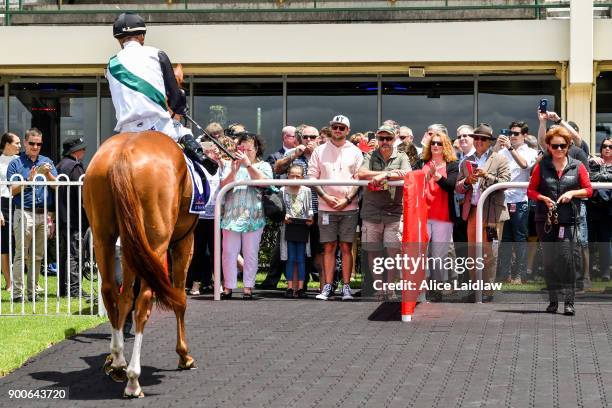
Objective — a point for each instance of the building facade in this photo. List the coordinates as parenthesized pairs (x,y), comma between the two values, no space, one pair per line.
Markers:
(266,75)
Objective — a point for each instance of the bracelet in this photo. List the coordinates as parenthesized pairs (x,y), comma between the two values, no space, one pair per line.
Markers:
(348,199)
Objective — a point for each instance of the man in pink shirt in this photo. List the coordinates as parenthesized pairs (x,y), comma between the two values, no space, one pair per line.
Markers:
(338,159)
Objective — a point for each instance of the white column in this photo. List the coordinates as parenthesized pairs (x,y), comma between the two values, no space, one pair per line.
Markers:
(580,85)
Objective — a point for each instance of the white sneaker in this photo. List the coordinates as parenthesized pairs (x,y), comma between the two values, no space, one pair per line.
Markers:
(346,292)
(195,288)
(325,293)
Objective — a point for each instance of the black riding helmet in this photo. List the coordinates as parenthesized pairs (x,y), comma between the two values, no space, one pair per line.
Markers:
(128,24)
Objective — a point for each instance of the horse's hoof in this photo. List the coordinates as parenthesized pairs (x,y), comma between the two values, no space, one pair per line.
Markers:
(188,364)
(107,365)
(133,395)
(118,374)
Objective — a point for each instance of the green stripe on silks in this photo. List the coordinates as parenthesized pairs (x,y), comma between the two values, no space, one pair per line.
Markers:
(121,74)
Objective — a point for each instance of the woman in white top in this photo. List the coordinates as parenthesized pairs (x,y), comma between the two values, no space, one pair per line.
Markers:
(10,146)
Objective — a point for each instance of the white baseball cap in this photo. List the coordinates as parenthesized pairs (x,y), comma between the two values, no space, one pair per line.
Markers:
(340,119)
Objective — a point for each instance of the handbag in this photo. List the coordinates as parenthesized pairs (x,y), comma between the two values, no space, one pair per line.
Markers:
(296,232)
(273,204)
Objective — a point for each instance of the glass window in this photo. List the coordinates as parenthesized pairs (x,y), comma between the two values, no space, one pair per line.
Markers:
(108,120)
(502,102)
(603,118)
(419,104)
(60,110)
(259,106)
(316,103)
(2,102)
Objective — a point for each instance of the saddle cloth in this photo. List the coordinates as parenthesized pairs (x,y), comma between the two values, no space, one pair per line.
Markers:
(201,189)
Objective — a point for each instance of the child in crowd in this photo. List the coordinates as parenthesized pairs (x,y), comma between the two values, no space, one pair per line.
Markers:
(295,232)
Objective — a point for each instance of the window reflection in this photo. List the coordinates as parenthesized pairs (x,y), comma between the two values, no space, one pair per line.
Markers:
(419,104)
(502,102)
(60,110)
(259,106)
(315,103)
(2,124)
(603,116)
(108,120)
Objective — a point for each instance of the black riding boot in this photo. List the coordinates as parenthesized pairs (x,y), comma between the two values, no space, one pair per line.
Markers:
(194,151)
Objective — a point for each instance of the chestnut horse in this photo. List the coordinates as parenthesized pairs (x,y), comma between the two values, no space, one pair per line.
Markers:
(138,188)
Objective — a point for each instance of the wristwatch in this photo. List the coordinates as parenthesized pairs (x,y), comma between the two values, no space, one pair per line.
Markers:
(510,148)
(558,122)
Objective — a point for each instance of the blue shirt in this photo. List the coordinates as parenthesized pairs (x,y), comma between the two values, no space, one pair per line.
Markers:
(23,165)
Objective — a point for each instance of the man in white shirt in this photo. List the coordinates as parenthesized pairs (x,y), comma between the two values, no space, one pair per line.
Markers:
(521,159)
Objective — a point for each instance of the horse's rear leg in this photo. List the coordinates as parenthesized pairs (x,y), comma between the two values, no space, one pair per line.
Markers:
(105,256)
(144,303)
(181,258)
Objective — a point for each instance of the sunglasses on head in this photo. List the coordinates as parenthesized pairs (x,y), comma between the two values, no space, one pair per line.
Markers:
(481,138)
(35,144)
(385,138)
(436,143)
(511,133)
(311,137)
(338,127)
(558,146)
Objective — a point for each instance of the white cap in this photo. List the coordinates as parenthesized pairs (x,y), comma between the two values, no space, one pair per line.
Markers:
(340,119)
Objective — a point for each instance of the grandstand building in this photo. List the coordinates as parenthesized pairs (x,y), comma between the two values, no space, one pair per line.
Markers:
(271,63)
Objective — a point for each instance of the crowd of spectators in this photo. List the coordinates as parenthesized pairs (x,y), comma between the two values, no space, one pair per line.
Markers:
(323,224)
(458,169)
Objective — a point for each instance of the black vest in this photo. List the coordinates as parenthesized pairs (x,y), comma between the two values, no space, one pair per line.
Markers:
(552,186)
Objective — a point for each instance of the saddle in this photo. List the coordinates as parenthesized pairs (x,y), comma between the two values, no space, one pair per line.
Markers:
(200,187)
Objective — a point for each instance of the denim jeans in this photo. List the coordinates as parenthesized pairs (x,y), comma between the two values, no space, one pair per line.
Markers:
(296,254)
(514,239)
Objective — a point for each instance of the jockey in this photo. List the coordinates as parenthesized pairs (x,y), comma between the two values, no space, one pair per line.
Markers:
(145,92)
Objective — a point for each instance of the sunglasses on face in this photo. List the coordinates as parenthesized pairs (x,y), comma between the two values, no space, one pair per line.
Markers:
(436,143)
(558,146)
(481,138)
(309,137)
(511,133)
(338,127)
(35,144)
(385,138)
(607,146)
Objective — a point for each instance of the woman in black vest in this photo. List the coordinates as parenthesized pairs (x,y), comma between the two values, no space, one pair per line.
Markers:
(557,182)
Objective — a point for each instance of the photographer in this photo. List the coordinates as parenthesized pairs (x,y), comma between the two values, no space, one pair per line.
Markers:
(382,206)
(521,159)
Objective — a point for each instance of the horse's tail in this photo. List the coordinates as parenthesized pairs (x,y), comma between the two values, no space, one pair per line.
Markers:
(135,248)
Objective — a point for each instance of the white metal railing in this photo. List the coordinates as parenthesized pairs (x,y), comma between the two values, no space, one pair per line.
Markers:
(479,214)
(311,183)
(84,259)
(267,183)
